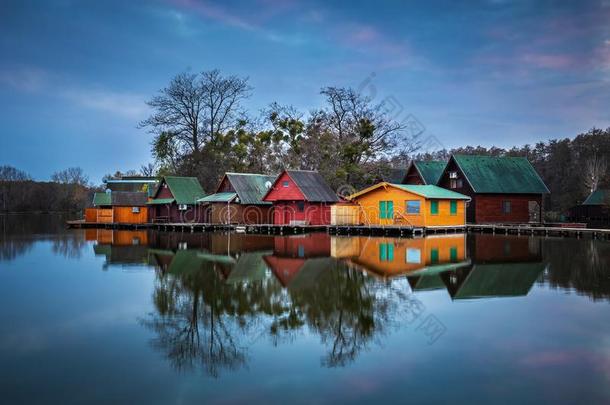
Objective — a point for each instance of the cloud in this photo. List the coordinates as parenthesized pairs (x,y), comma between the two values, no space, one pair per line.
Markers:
(26,79)
(35,80)
(125,105)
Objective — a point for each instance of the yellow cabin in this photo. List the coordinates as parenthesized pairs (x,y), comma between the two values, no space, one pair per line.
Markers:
(410,205)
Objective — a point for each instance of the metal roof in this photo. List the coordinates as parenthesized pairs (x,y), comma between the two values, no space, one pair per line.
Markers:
(430,171)
(313,186)
(186,190)
(426,191)
(218,197)
(432,192)
(128,198)
(101,199)
(598,197)
(505,175)
(158,201)
(250,187)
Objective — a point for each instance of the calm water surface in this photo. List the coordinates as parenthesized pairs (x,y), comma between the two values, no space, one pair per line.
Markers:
(102,316)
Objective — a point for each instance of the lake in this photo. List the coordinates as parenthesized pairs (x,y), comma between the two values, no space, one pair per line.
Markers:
(98,316)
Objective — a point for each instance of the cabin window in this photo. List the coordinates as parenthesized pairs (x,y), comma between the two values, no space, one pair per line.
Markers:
(434,255)
(182,207)
(506,207)
(285,183)
(386,209)
(413,207)
(453,256)
(301,206)
(413,256)
(135,210)
(434,207)
(453,207)
(456,183)
(453,175)
(386,252)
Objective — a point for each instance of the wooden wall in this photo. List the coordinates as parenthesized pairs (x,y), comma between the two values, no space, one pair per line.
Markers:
(488,207)
(369,213)
(286,212)
(124,215)
(240,214)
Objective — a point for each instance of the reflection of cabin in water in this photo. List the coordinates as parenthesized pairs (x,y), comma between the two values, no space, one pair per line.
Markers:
(506,266)
(389,257)
(292,253)
(120,247)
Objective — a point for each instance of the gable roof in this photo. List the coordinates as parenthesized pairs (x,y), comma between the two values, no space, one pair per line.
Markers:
(394,175)
(598,197)
(101,199)
(426,191)
(186,190)
(217,198)
(250,187)
(128,198)
(430,171)
(492,174)
(310,183)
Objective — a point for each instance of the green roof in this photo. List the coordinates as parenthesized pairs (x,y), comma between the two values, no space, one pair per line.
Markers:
(432,192)
(218,197)
(186,190)
(250,187)
(598,197)
(491,174)
(249,267)
(430,171)
(102,199)
(499,280)
(157,201)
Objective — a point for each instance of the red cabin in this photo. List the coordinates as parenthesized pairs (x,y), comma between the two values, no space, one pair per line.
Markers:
(503,189)
(300,197)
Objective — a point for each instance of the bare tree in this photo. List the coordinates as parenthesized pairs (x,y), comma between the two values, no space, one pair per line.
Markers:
(148,170)
(196,108)
(71,175)
(595,170)
(10,173)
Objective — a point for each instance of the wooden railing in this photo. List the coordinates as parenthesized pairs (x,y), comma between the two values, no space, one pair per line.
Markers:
(401,219)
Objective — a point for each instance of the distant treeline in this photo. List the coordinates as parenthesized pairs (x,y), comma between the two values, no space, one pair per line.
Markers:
(67,192)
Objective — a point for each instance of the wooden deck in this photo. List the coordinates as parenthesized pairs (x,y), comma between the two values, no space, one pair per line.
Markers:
(365,230)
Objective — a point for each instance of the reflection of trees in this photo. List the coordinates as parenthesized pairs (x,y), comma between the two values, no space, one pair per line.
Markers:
(201,320)
(18,233)
(579,264)
(69,245)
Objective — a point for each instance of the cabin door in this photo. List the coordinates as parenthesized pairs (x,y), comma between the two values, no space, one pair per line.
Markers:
(287,217)
(534,211)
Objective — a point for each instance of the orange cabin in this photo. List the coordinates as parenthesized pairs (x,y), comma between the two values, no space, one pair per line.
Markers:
(410,205)
(119,207)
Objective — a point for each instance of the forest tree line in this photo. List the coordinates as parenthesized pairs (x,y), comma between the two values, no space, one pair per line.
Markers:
(200,128)
(68,190)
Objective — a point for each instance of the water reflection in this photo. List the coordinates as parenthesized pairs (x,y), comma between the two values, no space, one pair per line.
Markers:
(19,232)
(215,294)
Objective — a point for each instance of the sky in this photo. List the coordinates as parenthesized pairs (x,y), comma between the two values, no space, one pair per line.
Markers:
(75,75)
